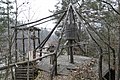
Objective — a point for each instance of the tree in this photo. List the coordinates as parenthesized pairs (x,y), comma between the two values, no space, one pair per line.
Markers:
(5,34)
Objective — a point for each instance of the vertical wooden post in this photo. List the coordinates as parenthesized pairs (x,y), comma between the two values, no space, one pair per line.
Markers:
(16,15)
(16,57)
(23,44)
(15,49)
(55,63)
(29,48)
(71,51)
(54,68)
(34,52)
(39,43)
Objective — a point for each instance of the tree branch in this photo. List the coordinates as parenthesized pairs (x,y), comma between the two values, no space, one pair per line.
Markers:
(111,7)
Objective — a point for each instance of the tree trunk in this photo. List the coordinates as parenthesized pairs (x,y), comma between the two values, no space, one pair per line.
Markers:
(100,65)
(109,53)
(118,53)
(9,41)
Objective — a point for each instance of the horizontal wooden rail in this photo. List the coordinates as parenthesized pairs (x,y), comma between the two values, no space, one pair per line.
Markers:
(23,62)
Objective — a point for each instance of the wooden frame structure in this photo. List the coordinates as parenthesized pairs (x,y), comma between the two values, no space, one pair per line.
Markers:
(20,36)
(41,44)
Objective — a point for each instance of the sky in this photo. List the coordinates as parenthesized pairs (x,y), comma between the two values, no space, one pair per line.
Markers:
(35,9)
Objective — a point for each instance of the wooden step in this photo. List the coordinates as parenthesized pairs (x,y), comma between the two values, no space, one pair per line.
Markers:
(24,70)
(24,67)
(24,77)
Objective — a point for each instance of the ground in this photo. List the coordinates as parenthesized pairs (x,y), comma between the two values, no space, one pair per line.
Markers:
(84,68)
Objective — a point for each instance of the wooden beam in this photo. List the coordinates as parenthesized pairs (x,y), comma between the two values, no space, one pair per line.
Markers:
(23,62)
(27,38)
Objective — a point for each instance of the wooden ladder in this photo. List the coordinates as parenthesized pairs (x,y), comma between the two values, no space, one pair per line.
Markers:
(21,73)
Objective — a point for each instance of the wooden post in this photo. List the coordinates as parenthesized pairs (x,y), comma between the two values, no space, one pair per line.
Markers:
(39,42)
(16,35)
(23,42)
(29,45)
(34,52)
(16,57)
(54,68)
(15,49)
(71,51)
(55,63)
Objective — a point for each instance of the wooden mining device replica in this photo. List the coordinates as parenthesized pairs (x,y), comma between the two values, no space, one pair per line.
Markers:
(25,67)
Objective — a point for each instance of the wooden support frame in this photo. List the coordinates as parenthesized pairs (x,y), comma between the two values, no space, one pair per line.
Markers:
(23,39)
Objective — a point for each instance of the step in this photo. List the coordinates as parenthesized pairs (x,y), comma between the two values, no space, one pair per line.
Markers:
(23,67)
(24,74)
(24,78)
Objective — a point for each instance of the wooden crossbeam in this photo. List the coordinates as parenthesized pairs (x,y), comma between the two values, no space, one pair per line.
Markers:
(23,62)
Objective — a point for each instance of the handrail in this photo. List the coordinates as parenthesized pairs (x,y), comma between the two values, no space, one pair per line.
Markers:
(23,62)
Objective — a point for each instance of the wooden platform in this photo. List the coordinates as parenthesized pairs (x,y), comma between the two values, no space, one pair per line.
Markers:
(64,67)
